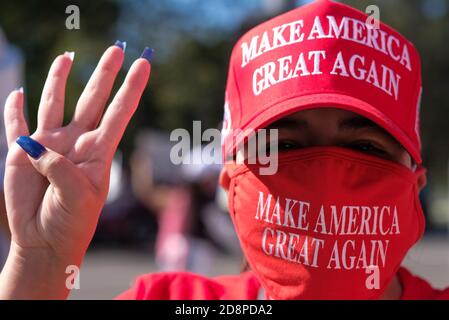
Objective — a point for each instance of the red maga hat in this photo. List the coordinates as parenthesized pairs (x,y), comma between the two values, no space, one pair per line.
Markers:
(319,55)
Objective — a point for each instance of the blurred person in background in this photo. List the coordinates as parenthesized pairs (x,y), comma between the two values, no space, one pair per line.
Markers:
(346,140)
(193,227)
(153,176)
(11,70)
(152,173)
(183,199)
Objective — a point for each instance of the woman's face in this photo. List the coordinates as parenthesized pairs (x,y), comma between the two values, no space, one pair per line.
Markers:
(336,127)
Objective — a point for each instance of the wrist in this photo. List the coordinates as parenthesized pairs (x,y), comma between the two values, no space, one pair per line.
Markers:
(43,254)
(35,273)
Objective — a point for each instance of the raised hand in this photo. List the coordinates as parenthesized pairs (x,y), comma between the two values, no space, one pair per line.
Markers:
(54,194)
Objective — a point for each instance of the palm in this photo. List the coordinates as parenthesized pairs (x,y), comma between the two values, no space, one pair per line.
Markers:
(42,214)
(34,206)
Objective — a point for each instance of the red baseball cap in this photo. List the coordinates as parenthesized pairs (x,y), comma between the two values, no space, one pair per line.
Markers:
(319,55)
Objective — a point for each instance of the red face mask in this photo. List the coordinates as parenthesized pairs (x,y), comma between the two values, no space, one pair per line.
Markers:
(330,224)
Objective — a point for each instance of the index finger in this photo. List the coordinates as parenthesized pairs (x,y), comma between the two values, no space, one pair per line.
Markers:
(15,123)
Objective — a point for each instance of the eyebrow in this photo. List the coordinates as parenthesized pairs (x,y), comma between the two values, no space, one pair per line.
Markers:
(288,123)
(352,123)
(358,122)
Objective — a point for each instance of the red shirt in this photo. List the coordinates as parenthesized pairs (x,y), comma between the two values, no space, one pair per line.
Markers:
(245,286)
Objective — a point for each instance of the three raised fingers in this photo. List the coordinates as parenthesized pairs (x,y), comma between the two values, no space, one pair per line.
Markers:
(90,106)
(92,101)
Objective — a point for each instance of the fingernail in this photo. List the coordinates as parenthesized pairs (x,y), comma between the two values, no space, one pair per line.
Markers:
(19,89)
(121,45)
(32,147)
(70,54)
(147,54)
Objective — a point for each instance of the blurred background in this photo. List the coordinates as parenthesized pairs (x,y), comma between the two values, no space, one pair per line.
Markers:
(154,205)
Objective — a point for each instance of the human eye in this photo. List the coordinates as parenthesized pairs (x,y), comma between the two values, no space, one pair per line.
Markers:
(369,147)
(287,145)
(282,145)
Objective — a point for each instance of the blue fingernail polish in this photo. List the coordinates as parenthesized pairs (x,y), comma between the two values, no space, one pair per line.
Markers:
(147,54)
(121,45)
(32,147)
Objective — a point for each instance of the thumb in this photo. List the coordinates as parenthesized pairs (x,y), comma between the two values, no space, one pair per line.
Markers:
(62,173)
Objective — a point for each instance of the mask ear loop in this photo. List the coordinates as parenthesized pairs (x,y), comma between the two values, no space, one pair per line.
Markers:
(225,175)
(421,176)
(224,179)
(421,181)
